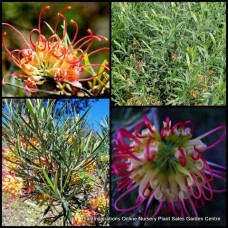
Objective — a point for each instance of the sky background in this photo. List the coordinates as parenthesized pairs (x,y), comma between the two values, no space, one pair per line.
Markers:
(97,113)
(99,109)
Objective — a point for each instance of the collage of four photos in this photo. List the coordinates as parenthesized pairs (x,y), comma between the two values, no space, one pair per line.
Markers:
(114,113)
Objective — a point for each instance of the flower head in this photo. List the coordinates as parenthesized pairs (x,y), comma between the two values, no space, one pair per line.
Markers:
(75,178)
(104,158)
(12,185)
(99,203)
(91,167)
(54,57)
(40,198)
(84,217)
(10,161)
(166,167)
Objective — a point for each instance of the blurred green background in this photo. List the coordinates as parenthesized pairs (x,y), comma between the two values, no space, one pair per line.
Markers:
(24,16)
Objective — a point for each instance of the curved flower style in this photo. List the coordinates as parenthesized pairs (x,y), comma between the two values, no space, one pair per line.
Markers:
(54,57)
(166,167)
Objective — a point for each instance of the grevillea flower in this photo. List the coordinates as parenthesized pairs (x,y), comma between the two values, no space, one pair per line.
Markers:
(91,167)
(33,142)
(71,139)
(12,185)
(104,158)
(9,160)
(84,217)
(40,198)
(54,57)
(75,178)
(165,167)
(99,203)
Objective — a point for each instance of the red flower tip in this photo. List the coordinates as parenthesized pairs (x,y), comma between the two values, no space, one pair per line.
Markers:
(90,31)
(182,158)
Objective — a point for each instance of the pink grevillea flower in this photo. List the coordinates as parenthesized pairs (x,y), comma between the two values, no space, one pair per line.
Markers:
(54,57)
(166,168)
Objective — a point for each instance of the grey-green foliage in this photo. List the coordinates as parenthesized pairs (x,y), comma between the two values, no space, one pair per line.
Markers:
(160,49)
(52,148)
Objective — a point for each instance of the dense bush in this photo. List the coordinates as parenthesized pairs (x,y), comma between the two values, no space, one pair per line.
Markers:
(56,161)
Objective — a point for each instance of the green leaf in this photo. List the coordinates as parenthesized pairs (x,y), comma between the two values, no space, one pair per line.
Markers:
(66,181)
(88,66)
(212,37)
(188,60)
(49,181)
(56,181)
(102,67)
(51,29)
(88,141)
(178,80)
(40,103)
(194,17)
(26,124)
(30,107)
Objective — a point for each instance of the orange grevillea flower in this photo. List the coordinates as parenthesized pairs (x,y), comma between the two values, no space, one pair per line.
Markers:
(9,161)
(99,203)
(12,185)
(84,217)
(54,56)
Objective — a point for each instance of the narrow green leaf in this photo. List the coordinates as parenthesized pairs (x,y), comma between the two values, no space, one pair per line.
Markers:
(30,107)
(212,37)
(40,103)
(66,181)
(88,141)
(178,80)
(188,60)
(120,46)
(56,181)
(194,17)
(88,67)
(48,180)
(51,29)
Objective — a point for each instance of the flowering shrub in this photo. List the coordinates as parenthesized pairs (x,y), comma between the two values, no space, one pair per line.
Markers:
(165,167)
(56,58)
(54,161)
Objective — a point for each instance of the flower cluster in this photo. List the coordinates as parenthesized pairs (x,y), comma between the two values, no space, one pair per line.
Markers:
(166,167)
(12,185)
(75,178)
(99,203)
(84,217)
(104,158)
(55,57)
(90,168)
(10,161)
(71,139)
(42,198)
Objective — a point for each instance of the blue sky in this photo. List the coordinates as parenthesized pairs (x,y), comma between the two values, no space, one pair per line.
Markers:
(97,112)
